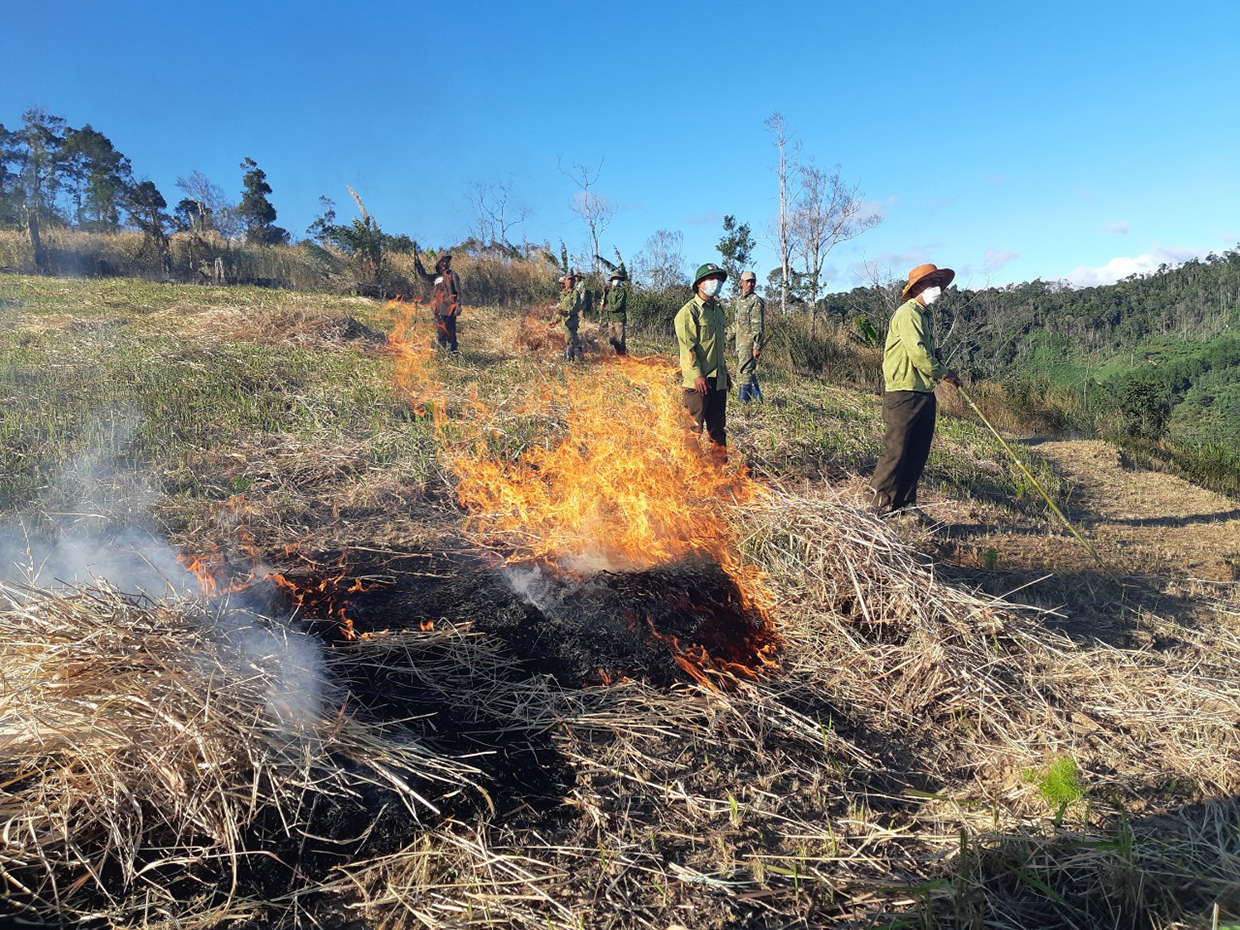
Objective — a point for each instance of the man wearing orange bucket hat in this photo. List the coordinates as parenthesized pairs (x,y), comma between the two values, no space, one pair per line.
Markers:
(911,369)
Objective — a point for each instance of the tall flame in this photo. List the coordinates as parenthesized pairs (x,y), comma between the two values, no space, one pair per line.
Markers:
(622,485)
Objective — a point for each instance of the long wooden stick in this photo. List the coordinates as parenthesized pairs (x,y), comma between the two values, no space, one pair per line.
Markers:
(1028,474)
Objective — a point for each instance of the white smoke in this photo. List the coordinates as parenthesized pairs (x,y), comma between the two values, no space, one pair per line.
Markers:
(93,528)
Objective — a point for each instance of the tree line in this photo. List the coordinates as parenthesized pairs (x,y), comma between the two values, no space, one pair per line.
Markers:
(53,175)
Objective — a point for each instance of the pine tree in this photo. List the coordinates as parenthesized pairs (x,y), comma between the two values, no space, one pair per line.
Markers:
(736,248)
(256,212)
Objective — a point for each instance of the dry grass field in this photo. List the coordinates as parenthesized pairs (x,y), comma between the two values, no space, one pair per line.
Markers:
(303,624)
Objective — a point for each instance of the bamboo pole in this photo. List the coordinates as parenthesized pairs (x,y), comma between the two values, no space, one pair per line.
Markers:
(1028,474)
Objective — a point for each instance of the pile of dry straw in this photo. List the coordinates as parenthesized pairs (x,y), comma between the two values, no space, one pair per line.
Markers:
(888,769)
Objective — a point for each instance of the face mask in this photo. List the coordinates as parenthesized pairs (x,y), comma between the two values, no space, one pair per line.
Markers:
(711,288)
(931,294)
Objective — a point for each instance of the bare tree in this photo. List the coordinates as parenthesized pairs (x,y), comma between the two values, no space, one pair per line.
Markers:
(595,210)
(212,208)
(661,262)
(496,214)
(784,169)
(828,211)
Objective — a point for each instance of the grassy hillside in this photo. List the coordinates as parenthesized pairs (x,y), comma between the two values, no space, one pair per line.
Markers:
(385,710)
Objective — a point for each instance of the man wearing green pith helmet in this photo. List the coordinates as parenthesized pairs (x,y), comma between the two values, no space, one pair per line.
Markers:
(701,331)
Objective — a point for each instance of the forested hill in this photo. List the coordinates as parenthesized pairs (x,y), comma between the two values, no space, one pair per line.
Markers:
(1151,356)
(1042,327)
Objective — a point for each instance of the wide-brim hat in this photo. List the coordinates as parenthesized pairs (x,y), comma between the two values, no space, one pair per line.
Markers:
(924,276)
(710,269)
(617,276)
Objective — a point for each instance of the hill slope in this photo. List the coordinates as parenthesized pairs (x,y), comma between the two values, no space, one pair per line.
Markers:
(815,719)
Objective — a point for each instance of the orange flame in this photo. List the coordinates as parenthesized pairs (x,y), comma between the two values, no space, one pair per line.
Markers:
(623,484)
(219,574)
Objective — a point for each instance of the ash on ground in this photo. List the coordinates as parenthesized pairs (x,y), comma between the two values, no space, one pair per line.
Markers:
(661,625)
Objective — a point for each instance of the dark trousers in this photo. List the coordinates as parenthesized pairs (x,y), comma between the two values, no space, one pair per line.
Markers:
(909,417)
(445,332)
(709,409)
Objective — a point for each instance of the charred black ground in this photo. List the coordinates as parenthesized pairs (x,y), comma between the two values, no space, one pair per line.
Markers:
(580,630)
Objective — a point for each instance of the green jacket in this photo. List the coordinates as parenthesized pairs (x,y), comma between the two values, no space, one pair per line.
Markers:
(748,320)
(616,304)
(909,359)
(702,331)
(574,304)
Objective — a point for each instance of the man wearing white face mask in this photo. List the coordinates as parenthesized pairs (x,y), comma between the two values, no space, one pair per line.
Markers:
(701,331)
(911,369)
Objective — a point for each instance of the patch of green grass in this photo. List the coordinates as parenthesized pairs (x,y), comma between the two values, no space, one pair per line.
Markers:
(1059,783)
(1214,466)
(150,399)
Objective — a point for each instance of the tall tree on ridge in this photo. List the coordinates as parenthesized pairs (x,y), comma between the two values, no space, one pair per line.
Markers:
(736,248)
(256,212)
(33,156)
(828,211)
(784,170)
(96,175)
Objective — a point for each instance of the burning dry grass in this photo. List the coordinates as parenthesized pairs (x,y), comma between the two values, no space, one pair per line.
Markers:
(170,761)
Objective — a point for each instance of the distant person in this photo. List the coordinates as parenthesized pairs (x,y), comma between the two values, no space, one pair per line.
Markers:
(701,331)
(614,313)
(445,299)
(911,369)
(748,324)
(574,304)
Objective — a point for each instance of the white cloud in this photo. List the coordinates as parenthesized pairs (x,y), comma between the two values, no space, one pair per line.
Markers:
(879,208)
(1122,266)
(997,258)
(1116,229)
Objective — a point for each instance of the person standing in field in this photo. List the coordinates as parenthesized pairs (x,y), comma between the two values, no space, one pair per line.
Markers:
(614,312)
(701,332)
(911,369)
(748,324)
(574,304)
(445,299)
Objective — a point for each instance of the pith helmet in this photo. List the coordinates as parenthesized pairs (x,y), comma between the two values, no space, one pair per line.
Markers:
(709,270)
(924,276)
(748,276)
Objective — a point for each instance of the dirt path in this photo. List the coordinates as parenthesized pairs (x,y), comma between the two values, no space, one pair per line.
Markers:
(1159,523)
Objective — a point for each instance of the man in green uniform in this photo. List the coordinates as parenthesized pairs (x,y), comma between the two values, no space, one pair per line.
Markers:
(911,369)
(614,313)
(574,304)
(701,331)
(748,321)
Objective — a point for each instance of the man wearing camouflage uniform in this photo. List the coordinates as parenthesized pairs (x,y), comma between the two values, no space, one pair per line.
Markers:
(748,321)
(614,313)
(574,304)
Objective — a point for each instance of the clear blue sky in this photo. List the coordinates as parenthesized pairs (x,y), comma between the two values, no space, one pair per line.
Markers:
(1009,141)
